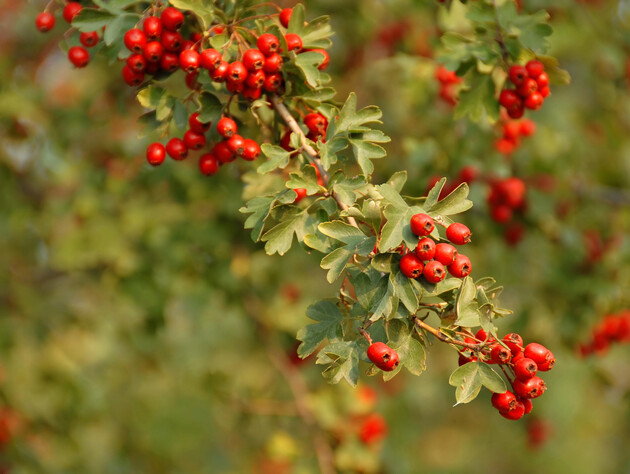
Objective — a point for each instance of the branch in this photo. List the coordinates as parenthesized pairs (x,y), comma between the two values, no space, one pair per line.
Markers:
(313,156)
(443,338)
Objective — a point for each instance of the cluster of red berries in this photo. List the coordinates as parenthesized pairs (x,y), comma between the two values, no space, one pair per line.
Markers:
(431,260)
(614,328)
(448,84)
(506,197)
(371,426)
(78,55)
(512,131)
(523,361)
(225,151)
(531,87)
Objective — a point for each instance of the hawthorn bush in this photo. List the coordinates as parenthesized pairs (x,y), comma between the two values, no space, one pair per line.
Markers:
(144,330)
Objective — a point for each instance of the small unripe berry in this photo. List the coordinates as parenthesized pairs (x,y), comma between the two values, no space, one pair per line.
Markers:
(383,356)
(434,271)
(422,224)
(458,233)
(425,249)
(45,22)
(411,266)
(156,153)
(461,266)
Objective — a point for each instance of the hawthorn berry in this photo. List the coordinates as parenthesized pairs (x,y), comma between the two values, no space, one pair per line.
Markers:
(516,112)
(210,59)
(518,74)
(131,76)
(534,101)
(458,233)
(196,125)
(411,266)
(194,140)
(88,39)
(251,150)
(527,403)
(189,60)
(153,51)
(422,224)
(234,87)
(156,153)
(501,214)
(324,64)
(172,41)
(373,429)
(534,68)
(509,98)
(316,123)
(223,152)
(285,16)
(251,93)
(172,19)
(461,266)
(220,72)
(500,354)
(528,127)
(426,249)
(294,42)
(135,40)
(541,355)
(152,27)
(176,149)
(301,194)
(255,80)
(533,387)
(514,342)
(528,86)
(268,44)
(169,62)
(515,413)
(434,271)
(45,22)
(226,127)
(445,254)
(503,401)
(137,62)
(253,60)
(272,82)
(208,164)
(383,356)
(236,144)
(273,63)
(542,80)
(71,10)
(237,72)
(525,369)
(79,56)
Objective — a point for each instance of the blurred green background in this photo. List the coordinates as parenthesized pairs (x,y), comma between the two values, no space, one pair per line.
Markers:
(142,331)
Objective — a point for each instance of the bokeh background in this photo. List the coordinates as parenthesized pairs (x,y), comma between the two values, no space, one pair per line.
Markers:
(142,331)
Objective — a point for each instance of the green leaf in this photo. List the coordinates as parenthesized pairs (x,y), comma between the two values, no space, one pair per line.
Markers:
(398,180)
(454,203)
(410,350)
(335,262)
(280,237)
(307,179)
(328,326)
(307,63)
(346,189)
(151,96)
(405,291)
(468,381)
(478,99)
(277,157)
(343,360)
(328,151)
(180,115)
(116,29)
(369,286)
(351,120)
(319,95)
(385,262)
(364,152)
(200,8)
(92,19)
(211,108)
(491,379)
(467,308)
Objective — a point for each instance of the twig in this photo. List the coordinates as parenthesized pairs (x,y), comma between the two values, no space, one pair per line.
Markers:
(313,156)
(442,337)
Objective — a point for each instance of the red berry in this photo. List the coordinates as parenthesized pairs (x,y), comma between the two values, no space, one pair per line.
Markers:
(425,249)
(512,130)
(301,194)
(132,77)
(505,146)
(236,144)
(153,51)
(226,127)
(135,40)
(251,93)
(285,16)
(528,86)
(514,342)
(516,112)
(273,82)
(79,56)
(255,80)
(45,22)
(71,10)
(251,151)
(237,72)
(253,60)
(527,403)
(422,224)
(383,356)
(482,335)
(411,266)
(534,101)
(501,214)
(273,63)
(268,44)
(544,91)
(530,388)
(156,153)
(445,254)
(515,413)
(152,27)
(89,39)
(324,64)
(137,62)
(542,80)
(528,127)
(458,233)
(191,80)
(503,401)
(518,74)
(189,60)
(176,149)
(434,271)
(541,355)
(534,68)
(210,59)
(316,123)
(234,87)
(196,125)
(373,429)
(294,42)
(525,369)
(220,72)
(461,266)
(208,164)
(172,41)
(172,18)
(194,140)
(509,98)
(169,62)
(223,152)
(500,354)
